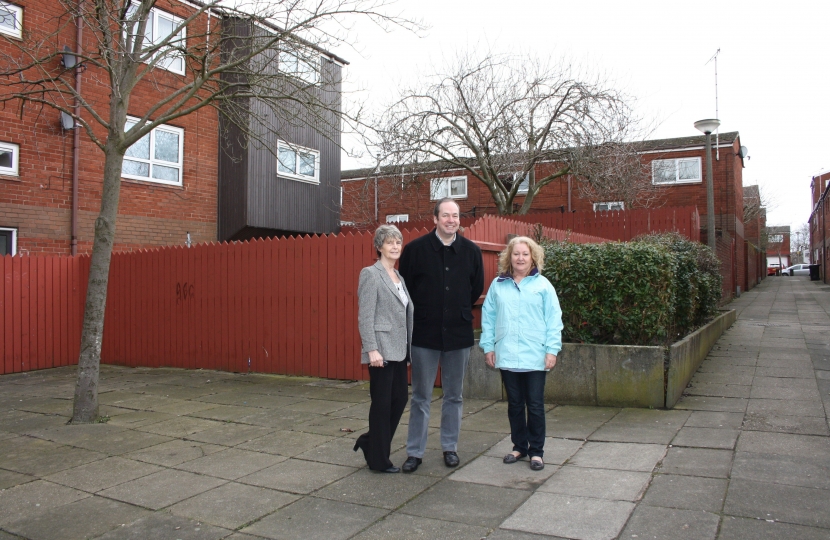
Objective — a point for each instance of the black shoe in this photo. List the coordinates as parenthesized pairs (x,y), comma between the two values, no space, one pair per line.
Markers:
(537,464)
(451,459)
(512,458)
(392,469)
(411,464)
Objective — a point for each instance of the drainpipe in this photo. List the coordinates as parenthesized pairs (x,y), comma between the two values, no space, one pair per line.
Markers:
(569,193)
(76,135)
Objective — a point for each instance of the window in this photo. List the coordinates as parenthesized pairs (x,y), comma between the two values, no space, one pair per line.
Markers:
(776,238)
(160,26)
(11,20)
(156,157)
(510,178)
(397,218)
(454,187)
(303,68)
(676,171)
(609,206)
(8,241)
(297,162)
(9,153)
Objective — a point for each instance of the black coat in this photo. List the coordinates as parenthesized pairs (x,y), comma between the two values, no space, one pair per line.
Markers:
(444,283)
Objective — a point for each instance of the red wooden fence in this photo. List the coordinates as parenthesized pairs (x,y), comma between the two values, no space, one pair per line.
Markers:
(286,306)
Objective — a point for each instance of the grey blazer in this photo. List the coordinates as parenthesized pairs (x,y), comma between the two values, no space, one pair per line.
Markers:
(384,324)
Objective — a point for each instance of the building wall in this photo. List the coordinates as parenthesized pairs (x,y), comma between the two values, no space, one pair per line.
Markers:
(38,201)
(819,228)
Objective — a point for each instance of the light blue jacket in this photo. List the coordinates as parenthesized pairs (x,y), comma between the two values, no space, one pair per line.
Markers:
(521,323)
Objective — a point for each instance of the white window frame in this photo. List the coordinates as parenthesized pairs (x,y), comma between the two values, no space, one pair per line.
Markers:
(614,206)
(154,161)
(14,239)
(154,15)
(776,238)
(677,180)
(14,170)
(296,175)
(17,32)
(311,75)
(439,188)
(397,218)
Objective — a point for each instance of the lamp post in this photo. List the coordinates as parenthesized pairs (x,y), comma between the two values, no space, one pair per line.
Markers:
(707,127)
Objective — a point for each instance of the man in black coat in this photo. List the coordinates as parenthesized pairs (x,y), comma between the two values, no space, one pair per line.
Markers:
(444,274)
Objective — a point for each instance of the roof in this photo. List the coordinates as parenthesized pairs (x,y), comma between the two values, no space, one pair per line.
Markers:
(647,146)
(781,229)
(752,192)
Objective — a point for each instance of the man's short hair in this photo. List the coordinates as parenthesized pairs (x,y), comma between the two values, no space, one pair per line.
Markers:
(442,201)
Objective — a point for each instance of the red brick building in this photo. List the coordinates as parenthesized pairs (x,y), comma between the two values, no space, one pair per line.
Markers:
(170,192)
(677,168)
(778,247)
(819,228)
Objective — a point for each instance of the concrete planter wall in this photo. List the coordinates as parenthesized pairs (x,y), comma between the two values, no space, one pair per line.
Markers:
(612,375)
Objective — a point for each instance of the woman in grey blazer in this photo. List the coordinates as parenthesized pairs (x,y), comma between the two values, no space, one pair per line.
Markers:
(385,323)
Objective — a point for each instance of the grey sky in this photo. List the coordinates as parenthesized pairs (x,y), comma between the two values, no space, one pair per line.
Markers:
(773,77)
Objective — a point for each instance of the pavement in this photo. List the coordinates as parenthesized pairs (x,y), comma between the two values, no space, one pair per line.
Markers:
(207,455)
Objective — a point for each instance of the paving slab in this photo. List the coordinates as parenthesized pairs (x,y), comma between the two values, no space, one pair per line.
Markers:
(10,479)
(378,489)
(231,463)
(161,489)
(318,406)
(706,437)
(297,476)
(557,451)
(491,471)
(735,528)
(671,524)
(332,426)
(286,443)
(421,528)
(135,419)
(805,471)
(470,443)
(697,462)
(577,422)
(247,399)
(180,426)
(111,440)
(799,425)
(492,419)
(282,420)
(686,492)
(597,483)
(506,534)
(718,390)
(712,403)
(714,419)
(716,378)
(27,455)
(85,518)
(789,504)
(620,456)
(230,434)
(30,500)
(311,518)
(569,516)
(102,474)
(786,393)
(162,526)
(783,444)
(473,504)
(174,452)
(232,505)
(778,407)
(338,450)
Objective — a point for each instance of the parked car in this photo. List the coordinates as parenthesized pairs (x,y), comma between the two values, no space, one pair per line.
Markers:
(773,270)
(797,270)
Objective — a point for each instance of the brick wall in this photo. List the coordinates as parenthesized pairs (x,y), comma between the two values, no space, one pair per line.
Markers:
(38,201)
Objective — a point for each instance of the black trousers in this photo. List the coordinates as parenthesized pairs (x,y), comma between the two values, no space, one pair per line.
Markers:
(526,410)
(388,388)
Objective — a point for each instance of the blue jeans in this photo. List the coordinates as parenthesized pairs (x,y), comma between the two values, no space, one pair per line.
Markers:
(425,364)
(526,410)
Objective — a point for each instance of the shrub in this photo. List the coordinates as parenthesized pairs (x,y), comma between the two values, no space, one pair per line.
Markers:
(647,292)
(697,279)
(613,293)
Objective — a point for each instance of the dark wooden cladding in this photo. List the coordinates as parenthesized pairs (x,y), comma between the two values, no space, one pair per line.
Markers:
(254,200)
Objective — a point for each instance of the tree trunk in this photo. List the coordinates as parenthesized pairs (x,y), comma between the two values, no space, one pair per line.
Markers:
(85,408)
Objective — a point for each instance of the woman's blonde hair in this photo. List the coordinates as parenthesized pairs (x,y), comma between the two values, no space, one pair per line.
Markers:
(537,254)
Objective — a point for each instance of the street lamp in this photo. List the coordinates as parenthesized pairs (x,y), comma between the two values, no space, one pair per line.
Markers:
(707,127)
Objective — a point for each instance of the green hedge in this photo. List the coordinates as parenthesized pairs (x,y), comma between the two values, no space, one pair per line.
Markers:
(647,292)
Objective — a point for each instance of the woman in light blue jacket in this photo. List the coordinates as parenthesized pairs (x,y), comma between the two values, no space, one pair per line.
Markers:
(521,334)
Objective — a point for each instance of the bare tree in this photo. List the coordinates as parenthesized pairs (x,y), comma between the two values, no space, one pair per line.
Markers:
(513,123)
(800,243)
(254,61)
